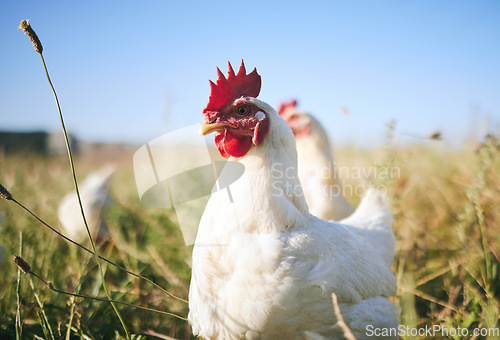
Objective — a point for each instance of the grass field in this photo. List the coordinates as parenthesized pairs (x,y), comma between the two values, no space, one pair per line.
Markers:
(445,203)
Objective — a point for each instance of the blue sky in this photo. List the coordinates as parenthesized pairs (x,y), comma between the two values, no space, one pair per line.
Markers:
(131,71)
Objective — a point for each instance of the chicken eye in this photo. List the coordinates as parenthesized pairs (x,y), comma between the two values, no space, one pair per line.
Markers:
(242,110)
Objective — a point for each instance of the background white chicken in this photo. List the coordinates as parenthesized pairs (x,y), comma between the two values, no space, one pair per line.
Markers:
(263,266)
(324,193)
(317,169)
(94,195)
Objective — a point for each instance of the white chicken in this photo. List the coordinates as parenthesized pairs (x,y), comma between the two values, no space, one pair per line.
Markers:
(323,193)
(317,169)
(94,195)
(263,267)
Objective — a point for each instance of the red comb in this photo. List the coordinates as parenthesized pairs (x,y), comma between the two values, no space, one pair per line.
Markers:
(234,86)
(286,105)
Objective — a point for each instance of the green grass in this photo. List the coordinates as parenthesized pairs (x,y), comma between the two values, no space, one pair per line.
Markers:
(145,241)
(444,202)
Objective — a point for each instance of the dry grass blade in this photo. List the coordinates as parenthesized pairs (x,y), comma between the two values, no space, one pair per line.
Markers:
(340,320)
(446,269)
(18,292)
(169,273)
(433,299)
(157,335)
(45,320)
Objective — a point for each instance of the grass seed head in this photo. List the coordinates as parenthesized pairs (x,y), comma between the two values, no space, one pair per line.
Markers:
(4,193)
(436,135)
(26,27)
(25,267)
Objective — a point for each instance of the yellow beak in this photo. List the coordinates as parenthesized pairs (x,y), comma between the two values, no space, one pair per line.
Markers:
(209,128)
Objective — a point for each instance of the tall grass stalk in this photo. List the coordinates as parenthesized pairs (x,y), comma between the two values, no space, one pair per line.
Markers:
(25,26)
(388,161)
(18,292)
(485,161)
(71,316)
(75,182)
(44,321)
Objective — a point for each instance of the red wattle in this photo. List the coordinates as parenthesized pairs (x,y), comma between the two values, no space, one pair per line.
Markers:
(219,143)
(231,144)
(260,131)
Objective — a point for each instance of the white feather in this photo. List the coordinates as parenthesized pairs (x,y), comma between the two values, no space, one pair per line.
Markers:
(372,221)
